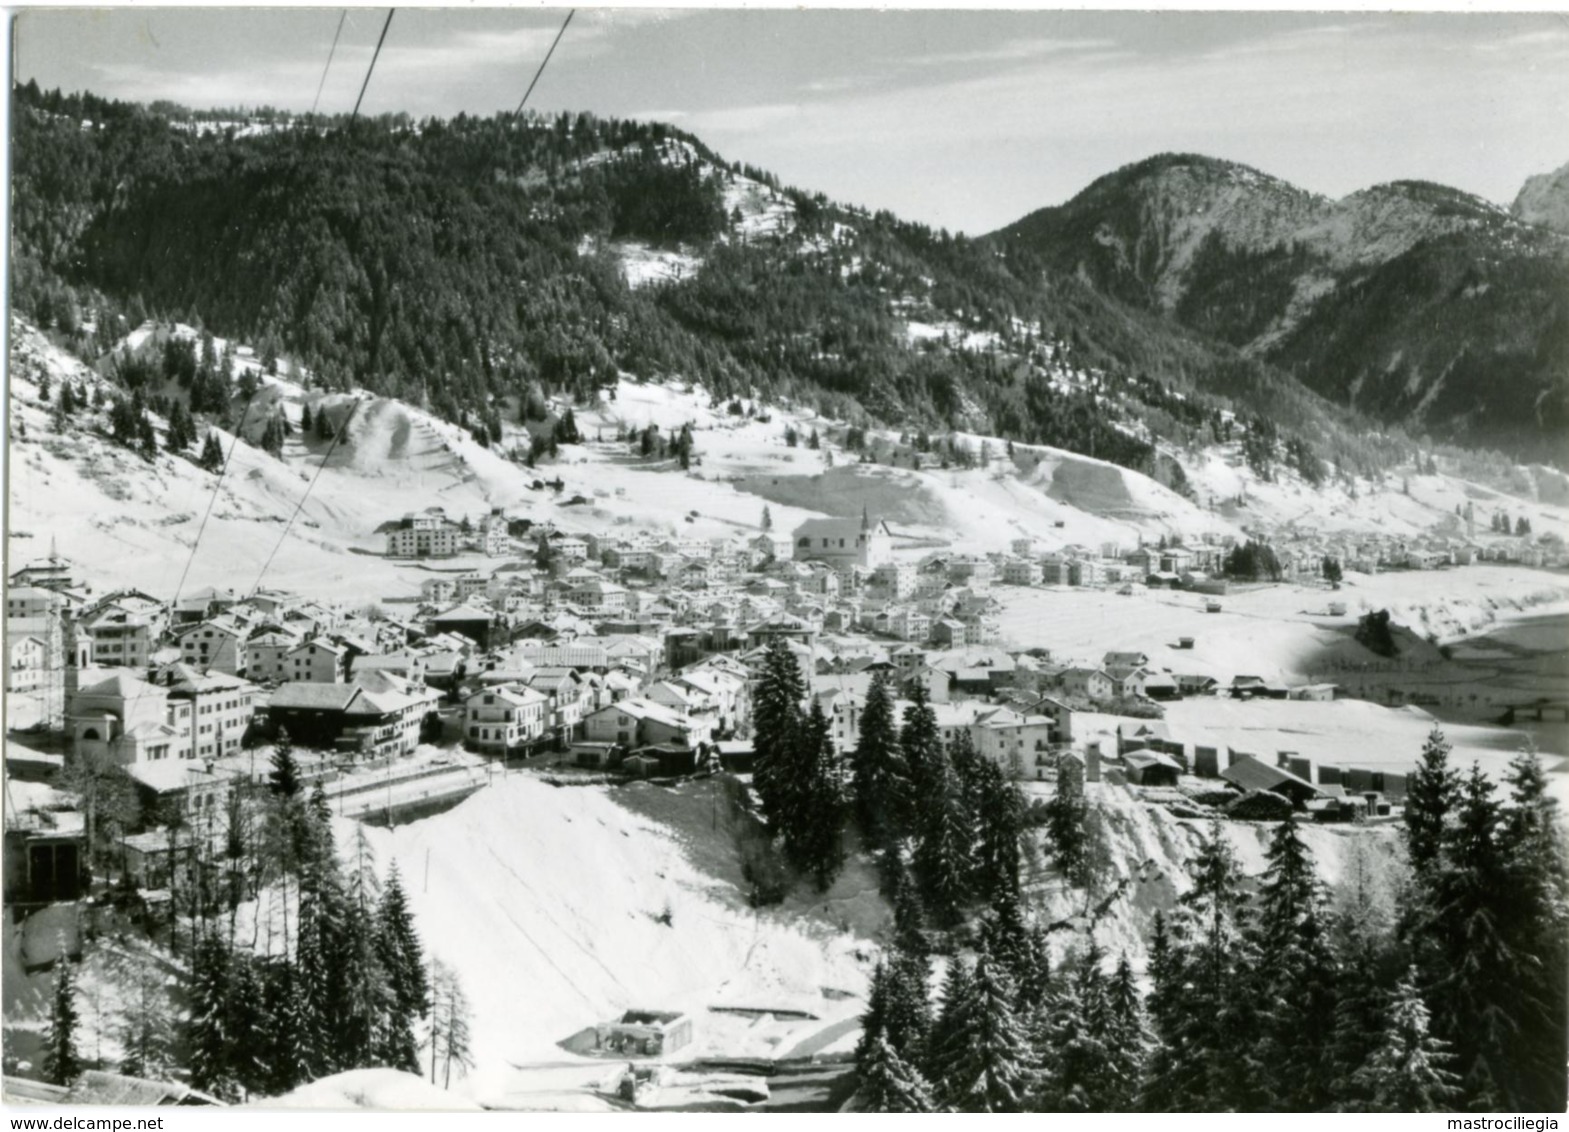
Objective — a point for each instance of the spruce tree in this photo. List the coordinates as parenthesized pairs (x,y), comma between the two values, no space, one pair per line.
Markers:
(1212,1028)
(1036,981)
(307,426)
(921,746)
(1479,984)
(1128,1037)
(909,915)
(909,1015)
(1163,1083)
(1431,793)
(991,1064)
(1408,1072)
(1006,939)
(942,1043)
(402,958)
(1531,843)
(248,1027)
(1076,1050)
(1361,938)
(888,1083)
(816,832)
(881,780)
(289,1058)
(942,863)
(208,1037)
(1000,820)
(1294,977)
(212,454)
(284,779)
(777,721)
(874,1020)
(62,1064)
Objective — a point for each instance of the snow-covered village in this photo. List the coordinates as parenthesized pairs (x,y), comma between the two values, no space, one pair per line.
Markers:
(894,691)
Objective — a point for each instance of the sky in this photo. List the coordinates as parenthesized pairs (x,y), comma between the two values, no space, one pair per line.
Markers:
(960,119)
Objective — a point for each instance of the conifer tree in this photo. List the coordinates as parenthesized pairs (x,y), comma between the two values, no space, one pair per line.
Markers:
(146,437)
(208,1037)
(898,1007)
(307,425)
(942,862)
(768,519)
(909,1014)
(1127,1037)
(881,780)
(62,1064)
(909,915)
(449,1036)
(290,1056)
(1006,939)
(1076,1050)
(212,454)
(1294,977)
(1066,813)
(814,837)
(1361,938)
(402,958)
(1209,1023)
(1036,981)
(1431,794)
(1531,843)
(1162,1082)
(1408,1072)
(1000,818)
(991,1066)
(1478,981)
(888,1083)
(284,779)
(777,721)
(921,746)
(144,1022)
(942,1043)
(248,1027)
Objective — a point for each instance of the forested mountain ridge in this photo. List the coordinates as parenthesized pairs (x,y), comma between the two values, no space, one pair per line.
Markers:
(1425,307)
(468,265)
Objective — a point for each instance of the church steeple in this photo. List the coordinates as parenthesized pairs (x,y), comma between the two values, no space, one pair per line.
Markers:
(866,520)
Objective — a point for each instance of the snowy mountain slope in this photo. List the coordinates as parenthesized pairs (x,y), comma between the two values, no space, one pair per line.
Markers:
(564,906)
(128,521)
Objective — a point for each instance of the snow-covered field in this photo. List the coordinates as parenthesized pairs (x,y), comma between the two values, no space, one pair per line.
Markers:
(565,906)
(1279,632)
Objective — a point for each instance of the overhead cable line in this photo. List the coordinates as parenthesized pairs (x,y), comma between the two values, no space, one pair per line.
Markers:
(544,62)
(222,471)
(372,68)
(289,526)
(317,101)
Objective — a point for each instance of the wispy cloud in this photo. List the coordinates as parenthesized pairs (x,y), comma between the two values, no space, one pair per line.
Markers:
(1014,51)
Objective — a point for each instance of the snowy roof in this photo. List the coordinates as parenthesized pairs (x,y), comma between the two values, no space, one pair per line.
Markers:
(123,684)
(309,696)
(1251,774)
(165,775)
(1145,757)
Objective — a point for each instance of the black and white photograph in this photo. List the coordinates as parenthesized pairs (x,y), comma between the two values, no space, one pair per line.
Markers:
(786,560)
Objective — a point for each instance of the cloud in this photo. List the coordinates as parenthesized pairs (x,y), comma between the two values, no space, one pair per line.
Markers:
(1013,51)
